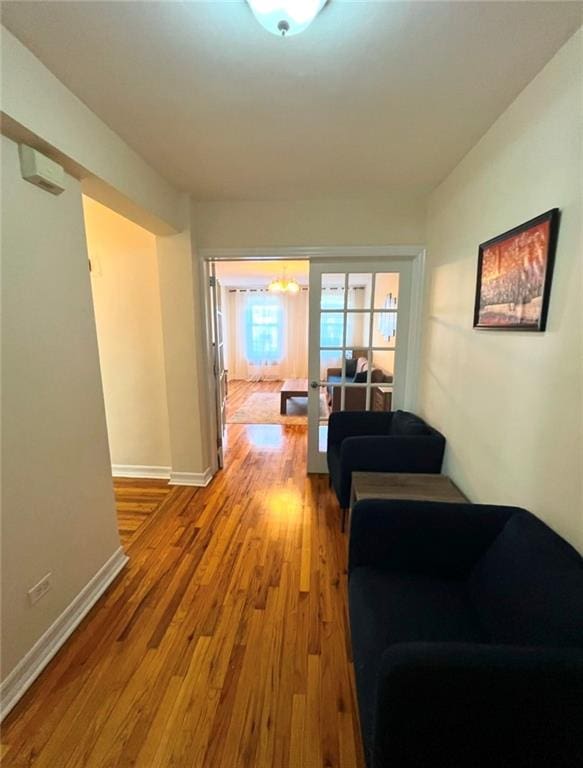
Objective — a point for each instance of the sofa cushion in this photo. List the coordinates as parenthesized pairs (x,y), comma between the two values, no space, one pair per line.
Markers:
(405,423)
(350,368)
(388,607)
(361,365)
(527,588)
(378,376)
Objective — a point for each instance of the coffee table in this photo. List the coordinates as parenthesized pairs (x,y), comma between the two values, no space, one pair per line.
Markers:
(292,388)
(410,486)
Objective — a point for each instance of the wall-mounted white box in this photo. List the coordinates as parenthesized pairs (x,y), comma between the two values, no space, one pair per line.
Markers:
(41,170)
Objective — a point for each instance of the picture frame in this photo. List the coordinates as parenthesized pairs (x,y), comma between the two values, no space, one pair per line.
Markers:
(513,282)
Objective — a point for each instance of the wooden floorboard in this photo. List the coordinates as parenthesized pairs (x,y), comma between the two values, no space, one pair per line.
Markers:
(223,643)
(135,501)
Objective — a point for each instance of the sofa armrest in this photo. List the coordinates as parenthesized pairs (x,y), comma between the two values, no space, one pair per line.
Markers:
(333,372)
(461,704)
(428,537)
(345,424)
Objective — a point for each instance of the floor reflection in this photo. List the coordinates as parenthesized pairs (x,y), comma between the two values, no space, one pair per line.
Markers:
(285,502)
(267,437)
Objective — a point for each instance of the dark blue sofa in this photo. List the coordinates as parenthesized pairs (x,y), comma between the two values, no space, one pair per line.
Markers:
(378,441)
(467,637)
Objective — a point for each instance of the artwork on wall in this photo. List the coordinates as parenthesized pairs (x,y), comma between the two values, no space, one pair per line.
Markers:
(514,276)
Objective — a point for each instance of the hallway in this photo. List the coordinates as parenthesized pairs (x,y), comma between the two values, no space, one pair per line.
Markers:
(223,643)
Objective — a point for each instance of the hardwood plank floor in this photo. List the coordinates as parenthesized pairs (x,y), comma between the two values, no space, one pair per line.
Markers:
(135,501)
(223,643)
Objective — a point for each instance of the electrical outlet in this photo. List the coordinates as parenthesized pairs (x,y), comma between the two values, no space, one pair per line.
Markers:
(39,590)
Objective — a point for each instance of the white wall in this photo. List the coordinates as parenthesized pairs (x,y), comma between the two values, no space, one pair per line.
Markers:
(126,299)
(510,404)
(58,510)
(390,220)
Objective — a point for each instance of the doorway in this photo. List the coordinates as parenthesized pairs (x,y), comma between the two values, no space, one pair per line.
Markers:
(123,264)
(356,299)
(259,342)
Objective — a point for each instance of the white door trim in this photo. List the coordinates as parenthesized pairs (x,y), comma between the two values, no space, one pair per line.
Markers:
(312,252)
(414,253)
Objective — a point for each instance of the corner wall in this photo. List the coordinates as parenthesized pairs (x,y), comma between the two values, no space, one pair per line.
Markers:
(58,511)
(185,355)
(510,403)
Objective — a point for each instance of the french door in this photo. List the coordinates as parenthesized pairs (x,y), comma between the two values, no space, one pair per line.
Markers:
(358,343)
(218,357)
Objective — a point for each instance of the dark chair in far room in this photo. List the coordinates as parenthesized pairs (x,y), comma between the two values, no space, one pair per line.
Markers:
(373,441)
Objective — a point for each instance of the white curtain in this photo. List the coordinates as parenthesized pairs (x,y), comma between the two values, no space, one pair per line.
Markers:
(266,334)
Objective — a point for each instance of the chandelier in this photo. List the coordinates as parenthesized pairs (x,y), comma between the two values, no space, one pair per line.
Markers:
(283,285)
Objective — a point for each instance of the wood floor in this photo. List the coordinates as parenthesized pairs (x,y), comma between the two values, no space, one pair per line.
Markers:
(135,501)
(222,644)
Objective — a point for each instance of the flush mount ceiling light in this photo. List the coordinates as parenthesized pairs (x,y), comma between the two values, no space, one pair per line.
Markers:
(286,17)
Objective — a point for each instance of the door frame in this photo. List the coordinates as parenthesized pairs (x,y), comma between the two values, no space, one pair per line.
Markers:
(413,253)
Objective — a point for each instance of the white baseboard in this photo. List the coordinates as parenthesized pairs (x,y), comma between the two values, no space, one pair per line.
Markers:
(200,479)
(30,667)
(139,470)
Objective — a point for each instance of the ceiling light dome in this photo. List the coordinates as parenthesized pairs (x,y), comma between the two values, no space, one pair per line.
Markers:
(286,17)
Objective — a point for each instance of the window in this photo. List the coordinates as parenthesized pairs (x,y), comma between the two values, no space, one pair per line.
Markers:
(332,323)
(264,332)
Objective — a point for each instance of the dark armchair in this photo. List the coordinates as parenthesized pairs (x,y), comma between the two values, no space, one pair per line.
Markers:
(467,637)
(394,441)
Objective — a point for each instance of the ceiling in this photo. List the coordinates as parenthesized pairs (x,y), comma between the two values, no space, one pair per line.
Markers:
(374,97)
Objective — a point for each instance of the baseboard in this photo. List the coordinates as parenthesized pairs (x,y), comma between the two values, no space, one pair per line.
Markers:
(200,479)
(139,470)
(30,667)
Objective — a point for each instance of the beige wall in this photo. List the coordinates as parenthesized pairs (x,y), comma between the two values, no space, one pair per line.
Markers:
(57,502)
(393,220)
(126,299)
(511,404)
(189,409)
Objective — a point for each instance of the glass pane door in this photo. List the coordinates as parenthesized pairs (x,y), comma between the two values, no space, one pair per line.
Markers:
(359,329)
(219,372)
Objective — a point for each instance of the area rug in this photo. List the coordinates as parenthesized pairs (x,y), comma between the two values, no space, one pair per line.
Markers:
(263,408)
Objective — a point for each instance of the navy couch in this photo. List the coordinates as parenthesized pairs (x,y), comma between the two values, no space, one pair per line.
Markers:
(378,441)
(467,637)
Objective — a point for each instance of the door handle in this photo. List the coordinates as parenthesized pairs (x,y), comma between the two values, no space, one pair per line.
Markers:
(314,384)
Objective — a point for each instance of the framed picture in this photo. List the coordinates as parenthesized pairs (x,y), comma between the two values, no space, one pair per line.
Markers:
(514,276)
